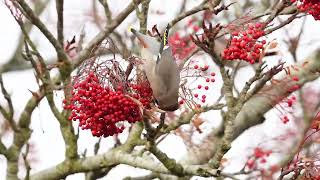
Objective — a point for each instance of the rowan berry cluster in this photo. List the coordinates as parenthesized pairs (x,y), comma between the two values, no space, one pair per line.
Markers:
(181,46)
(205,79)
(290,101)
(311,7)
(104,110)
(205,86)
(244,45)
(143,93)
(259,155)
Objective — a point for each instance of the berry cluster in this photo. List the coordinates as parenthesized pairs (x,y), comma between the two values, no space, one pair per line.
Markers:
(204,86)
(245,45)
(311,7)
(295,86)
(143,93)
(291,101)
(258,154)
(205,79)
(182,47)
(102,109)
(285,119)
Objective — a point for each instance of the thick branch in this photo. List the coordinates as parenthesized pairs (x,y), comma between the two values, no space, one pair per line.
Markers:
(111,158)
(253,110)
(20,138)
(3,149)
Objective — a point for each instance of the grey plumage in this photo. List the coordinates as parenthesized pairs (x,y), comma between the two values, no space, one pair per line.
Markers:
(161,70)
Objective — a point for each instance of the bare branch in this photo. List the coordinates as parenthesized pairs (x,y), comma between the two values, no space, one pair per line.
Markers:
(59,7)
(282,24)
(20,138)
(3,149)
(37,22)
(262,82)
(252,112)
(107,10)
(26,163)
(203,6)
(85,53)
(8,115)
(185,118)
(171,164)
(16,62)
(114,157)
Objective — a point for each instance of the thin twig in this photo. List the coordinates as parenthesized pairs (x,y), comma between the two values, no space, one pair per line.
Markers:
(26,162)
(8,115)
(29,13)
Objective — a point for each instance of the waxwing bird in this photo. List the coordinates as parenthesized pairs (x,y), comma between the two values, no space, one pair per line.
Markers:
(160,69)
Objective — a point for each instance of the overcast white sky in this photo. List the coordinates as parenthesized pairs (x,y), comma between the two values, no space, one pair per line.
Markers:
(46,136)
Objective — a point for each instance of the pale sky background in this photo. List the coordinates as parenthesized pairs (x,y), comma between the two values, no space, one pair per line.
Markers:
(49,146)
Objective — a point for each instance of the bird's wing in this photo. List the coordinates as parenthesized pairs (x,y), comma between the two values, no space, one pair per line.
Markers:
(167,70)
(166,65)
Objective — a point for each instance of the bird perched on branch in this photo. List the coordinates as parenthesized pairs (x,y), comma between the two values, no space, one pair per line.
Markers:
(160,69)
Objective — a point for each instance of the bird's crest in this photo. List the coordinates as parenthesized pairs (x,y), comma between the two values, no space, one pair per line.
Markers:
(164,42)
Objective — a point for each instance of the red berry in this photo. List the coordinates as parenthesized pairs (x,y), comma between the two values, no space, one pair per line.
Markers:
(102,109)
(181,102)
(245,45)
(295,78)
(311,7)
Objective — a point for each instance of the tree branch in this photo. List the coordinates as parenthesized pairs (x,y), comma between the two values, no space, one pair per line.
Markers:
(107,10)
(29,13)
(253,110)
(20,138)
(8,115)
(185,118)
(16,62)
(203,6)
(59,7)
(94,43)
(114,157)
(3,149)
